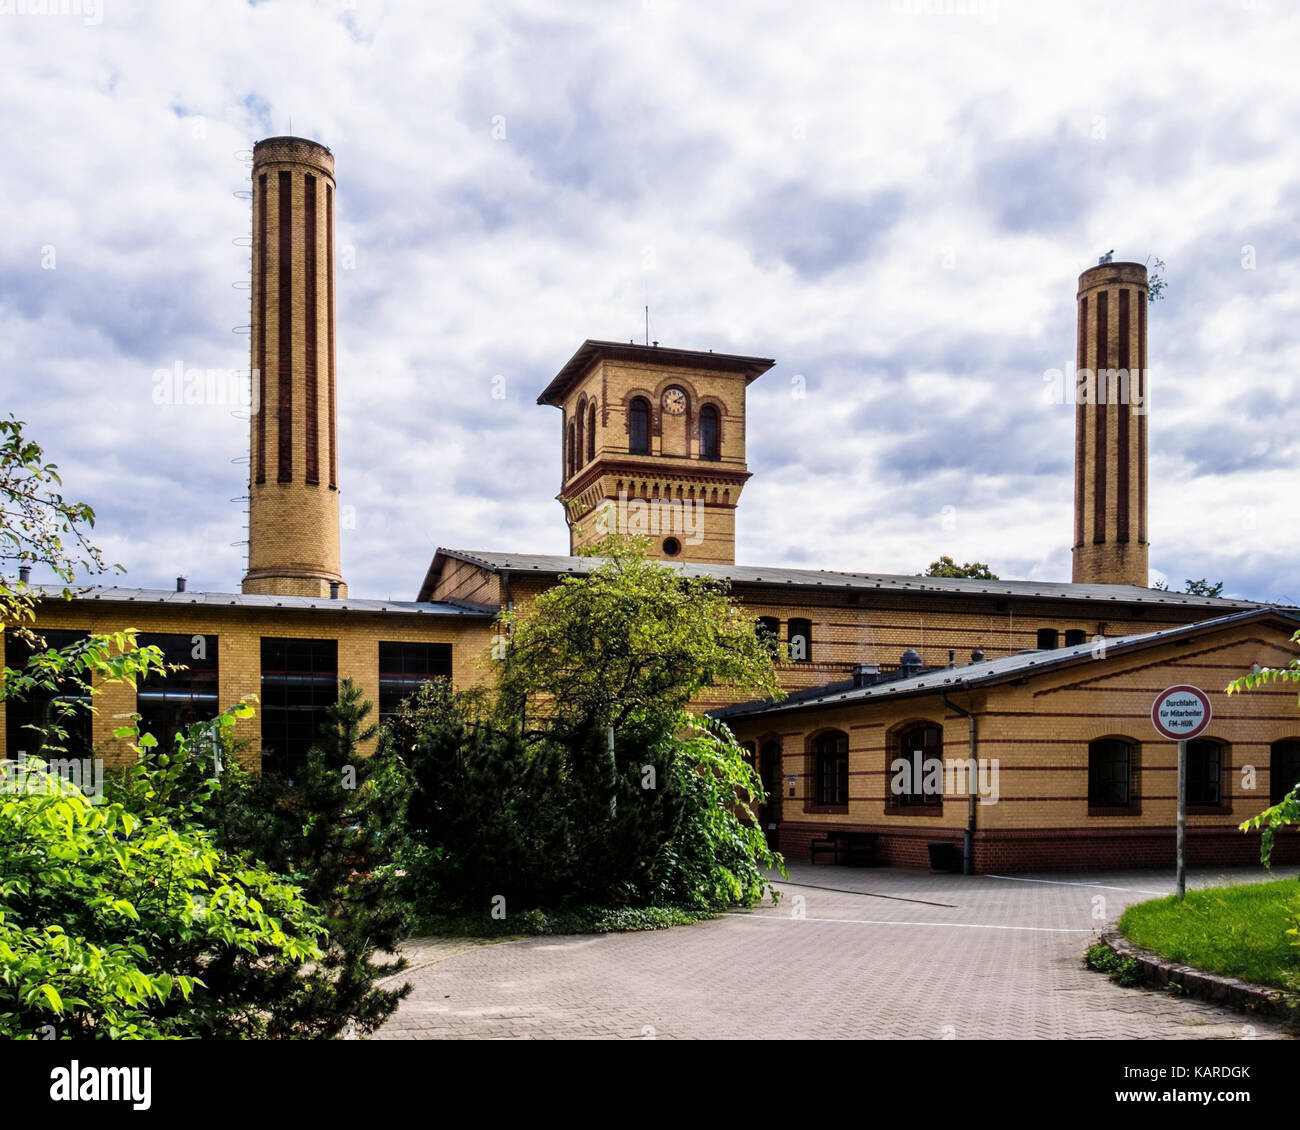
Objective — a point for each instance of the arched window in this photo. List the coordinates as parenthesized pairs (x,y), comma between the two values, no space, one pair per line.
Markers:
(1205,773)
(768,630)
(1047,639)
(1074,637)
(1110,773)
(573,447)
(708,432)
(1283,768)
(800,640)
(831,769)
(591,432)
(638,427)
(579,445)
(916,769)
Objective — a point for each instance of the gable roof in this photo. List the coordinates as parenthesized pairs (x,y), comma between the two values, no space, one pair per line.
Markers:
(1004,669)
(558,565)
(591,351)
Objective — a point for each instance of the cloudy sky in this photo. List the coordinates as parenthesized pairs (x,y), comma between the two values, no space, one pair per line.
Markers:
(893,198)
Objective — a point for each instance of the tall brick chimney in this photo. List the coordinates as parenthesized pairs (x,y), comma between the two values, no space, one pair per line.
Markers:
(293,535)
(1110,440)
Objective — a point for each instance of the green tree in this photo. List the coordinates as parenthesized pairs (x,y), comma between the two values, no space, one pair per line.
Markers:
(1287,811)
(947,567)
(114,925)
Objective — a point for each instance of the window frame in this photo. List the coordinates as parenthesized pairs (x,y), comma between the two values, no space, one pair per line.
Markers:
(1278,786)
(1201,805)
(711,450)
(638,408)
(1100,804)
(912,803)
(828,765)
(798,626)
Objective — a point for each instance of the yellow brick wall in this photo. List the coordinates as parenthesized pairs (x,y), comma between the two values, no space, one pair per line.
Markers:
(1039,731)
(240,631)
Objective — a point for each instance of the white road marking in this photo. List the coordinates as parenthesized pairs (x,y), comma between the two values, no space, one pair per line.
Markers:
(1062,883)
(891,922)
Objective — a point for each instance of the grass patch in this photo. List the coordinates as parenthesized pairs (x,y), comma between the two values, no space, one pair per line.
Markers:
(537,922)
(1237,931)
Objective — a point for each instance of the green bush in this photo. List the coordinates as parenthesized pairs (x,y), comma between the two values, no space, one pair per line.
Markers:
(1121,969)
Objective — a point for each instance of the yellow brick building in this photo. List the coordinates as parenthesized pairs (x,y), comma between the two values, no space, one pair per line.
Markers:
(653,443)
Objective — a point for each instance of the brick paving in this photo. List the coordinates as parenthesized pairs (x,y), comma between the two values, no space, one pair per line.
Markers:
(887,954)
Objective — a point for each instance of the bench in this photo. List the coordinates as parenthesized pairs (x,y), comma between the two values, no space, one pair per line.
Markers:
(846,847)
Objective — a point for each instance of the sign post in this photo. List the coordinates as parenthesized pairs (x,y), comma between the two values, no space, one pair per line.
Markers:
(1181,713)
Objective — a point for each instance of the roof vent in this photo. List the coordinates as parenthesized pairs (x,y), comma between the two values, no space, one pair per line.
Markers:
(25,574)
(334,590)
(977,656)
(180,584)
(910,662)
(864,674)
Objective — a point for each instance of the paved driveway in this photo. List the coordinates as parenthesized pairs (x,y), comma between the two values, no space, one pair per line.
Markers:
(875,953)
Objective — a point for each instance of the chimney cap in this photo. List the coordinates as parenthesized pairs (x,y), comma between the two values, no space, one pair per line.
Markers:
(910,658)
(180,584)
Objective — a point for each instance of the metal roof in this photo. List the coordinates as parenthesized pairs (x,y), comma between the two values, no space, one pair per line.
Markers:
(989,670)
(113,594)
(861,582)
(591,351)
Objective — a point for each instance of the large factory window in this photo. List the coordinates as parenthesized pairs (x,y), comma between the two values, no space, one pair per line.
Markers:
(31,719)
(405,667)
(299,683)
(168,704)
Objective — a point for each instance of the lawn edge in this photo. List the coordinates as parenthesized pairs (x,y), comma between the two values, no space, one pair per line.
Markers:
(1244,996)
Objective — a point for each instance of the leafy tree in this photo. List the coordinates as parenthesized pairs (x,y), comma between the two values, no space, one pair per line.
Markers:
(328,837)
(521,793)
(947,567)
(1287,811)
(1194,588)
(631,642)
(121,926)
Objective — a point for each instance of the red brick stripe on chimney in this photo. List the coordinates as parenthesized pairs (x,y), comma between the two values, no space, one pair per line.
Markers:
(1100,409)
(284,381)
(312,422)
(1123,439)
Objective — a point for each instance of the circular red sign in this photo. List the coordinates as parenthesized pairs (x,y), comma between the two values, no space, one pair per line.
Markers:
(1181,712)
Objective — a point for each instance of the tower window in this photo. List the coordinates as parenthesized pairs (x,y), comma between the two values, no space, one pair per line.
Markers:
(800,641)
(573,447)
(591,432)
(708,432)
(638,427)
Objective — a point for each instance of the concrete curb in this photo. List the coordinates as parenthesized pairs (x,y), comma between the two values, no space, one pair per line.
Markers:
(1228,991)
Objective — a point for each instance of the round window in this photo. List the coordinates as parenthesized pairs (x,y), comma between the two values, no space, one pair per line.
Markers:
(672,547)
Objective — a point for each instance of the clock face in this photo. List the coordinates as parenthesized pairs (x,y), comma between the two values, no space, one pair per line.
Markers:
(674,401)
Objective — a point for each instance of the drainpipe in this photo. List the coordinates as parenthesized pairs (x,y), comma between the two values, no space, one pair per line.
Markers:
(972,784)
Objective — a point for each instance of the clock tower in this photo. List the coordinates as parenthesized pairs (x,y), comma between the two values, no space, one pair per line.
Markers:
(653,446)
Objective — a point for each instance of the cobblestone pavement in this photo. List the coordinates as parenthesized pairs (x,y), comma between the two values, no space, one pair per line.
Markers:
(878,953)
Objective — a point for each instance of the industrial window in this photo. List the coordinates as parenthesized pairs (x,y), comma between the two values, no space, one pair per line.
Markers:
(65,704)
(405,667)
(591,432)
(917,783)
(1204,773)
(573,448)
(708,432)
(638,426)
(172,703)
(1074,637)
(1110,773)
(1048,639)
(1283,768)
(800,639)
(299,683)
(768,631)
(831,769)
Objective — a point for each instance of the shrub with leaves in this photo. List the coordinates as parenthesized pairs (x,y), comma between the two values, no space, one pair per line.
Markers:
(113,925)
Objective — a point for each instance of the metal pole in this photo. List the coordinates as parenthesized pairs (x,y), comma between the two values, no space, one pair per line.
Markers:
(613,797)
(1182,819)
